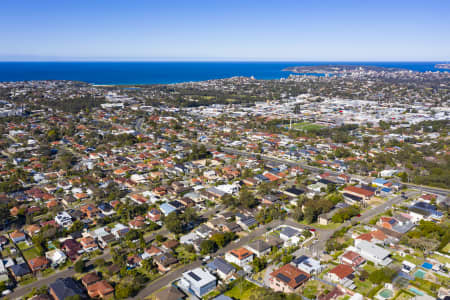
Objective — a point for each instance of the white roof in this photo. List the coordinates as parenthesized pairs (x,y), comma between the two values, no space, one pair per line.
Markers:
(199,277)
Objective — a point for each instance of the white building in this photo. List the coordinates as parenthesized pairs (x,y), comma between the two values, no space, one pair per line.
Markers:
(57,257)
(198,281)
(372,252)
(63,219)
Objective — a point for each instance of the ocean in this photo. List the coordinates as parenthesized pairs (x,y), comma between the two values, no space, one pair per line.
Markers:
(116,73)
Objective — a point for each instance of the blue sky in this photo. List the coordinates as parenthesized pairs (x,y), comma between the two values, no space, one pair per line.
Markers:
(298,30)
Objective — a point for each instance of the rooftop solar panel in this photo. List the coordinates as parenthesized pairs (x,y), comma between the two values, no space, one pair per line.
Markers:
(283,278)
(193,275)
(300,278)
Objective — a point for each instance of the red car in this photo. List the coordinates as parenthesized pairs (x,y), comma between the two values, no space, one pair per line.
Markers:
(358,215)
(312,229)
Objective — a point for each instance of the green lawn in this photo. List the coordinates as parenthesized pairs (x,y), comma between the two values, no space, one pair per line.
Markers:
(415,260)
(369,268)
(30,253)
(242,290)
(446,248)
(441,259)
(363,287)
(306,126)
(22,245)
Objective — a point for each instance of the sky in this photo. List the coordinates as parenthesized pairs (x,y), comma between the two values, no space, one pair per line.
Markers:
(279,30)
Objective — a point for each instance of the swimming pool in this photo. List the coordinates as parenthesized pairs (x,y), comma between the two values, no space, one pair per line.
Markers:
(420,274)
(427,265)
(386,293)
(416,291)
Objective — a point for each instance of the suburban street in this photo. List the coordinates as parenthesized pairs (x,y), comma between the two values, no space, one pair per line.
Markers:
(41,281)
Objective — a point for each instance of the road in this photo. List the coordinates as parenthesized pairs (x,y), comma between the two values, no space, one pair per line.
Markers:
(428,189)
(172,275)
(24,290)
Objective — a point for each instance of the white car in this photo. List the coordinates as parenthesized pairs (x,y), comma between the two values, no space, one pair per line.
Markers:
(6,292)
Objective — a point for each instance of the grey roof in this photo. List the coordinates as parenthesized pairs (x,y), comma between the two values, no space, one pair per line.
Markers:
(259,245)
(20,269)
(221,265)
(222,297)
(66,287)
(171,293)
(289,232)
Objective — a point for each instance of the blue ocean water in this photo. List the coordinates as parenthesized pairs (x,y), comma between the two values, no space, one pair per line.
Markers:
(166,72)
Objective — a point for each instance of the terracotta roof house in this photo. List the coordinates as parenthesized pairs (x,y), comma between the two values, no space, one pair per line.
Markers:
(89,279)
(17,236)
(38,264)
(137,223)
(287,279)
(170,244)
(240,257)
(88,244)
(89,210)
(354,195)
(150,252)
(32,229)
(101,289)
(340,272)
(352,258)
(154,214)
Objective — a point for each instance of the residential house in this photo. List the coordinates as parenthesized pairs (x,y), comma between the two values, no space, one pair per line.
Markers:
(352,258)
(88,244)
(259,247)
(239,256)
(119,230)
(17,236)
(287,279)
(72,248)
(199,281)
(307,264)
(89,210)
(245,221)
(154,215)
(357,195)
(170,293)
(89,279)
(340,273)
(222,268)
(424,211)
(372,252)
(57,257)
(19,270)
(290,236)
(101,289)
(164,261)
(65,287)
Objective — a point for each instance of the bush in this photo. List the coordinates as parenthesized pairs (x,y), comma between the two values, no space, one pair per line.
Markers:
(79,266)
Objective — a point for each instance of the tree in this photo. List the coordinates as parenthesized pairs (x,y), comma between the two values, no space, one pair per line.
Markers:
(382,275)
(79,266)
(173,223)
(100,262)
(246,198)
(124,290)
(208,246)
(259,264)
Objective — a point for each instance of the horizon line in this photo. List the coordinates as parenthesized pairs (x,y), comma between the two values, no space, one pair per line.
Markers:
(218,60)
